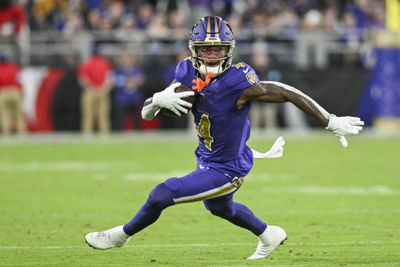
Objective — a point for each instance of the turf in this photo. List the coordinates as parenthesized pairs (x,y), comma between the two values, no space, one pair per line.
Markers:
(339,206)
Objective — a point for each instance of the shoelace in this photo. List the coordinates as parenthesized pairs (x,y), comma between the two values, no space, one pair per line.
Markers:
(200,84)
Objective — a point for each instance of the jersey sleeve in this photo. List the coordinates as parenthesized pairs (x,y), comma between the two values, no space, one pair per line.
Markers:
(243,76)
(183,72)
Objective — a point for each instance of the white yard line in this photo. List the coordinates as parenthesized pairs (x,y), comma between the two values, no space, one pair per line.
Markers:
(63,166)
(333,190)
(374,264)
(75,166)
(204,212)
(178,135)
(141,176)
(155,176)
(351,243)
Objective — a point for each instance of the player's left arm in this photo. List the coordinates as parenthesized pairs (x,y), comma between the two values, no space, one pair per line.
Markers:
(277,92)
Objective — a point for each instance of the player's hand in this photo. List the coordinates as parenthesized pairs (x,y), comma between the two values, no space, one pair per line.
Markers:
(170,100)
(341,126)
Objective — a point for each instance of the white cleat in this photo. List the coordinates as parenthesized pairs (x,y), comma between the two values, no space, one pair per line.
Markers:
(111,238)
(272,237)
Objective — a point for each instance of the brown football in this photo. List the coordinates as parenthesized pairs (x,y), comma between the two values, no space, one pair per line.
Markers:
(190,99)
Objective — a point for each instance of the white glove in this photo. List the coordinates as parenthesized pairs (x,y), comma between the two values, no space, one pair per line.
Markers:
(170,100)
(341,126)
(276,151)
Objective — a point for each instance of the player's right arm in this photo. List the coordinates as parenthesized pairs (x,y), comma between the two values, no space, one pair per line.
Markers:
(166,99)
(268,91)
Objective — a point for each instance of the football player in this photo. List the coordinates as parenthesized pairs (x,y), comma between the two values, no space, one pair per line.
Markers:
(224,93)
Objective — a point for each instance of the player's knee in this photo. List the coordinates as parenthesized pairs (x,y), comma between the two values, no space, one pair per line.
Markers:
(159,198)
(221,211)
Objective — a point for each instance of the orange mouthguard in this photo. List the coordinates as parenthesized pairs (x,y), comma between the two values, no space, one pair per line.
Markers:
(200,84)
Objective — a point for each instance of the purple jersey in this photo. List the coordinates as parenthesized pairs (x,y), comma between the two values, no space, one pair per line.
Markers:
(223,129)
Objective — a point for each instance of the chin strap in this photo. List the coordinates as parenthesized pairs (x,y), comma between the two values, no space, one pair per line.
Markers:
(200,84)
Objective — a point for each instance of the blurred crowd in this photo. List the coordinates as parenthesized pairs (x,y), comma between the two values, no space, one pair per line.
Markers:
(156,18)
(124,80)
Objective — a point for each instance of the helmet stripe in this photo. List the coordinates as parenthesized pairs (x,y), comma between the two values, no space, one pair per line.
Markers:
(208,27)
(216,27)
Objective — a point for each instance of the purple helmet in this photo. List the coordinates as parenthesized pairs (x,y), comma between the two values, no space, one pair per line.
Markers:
(211,31)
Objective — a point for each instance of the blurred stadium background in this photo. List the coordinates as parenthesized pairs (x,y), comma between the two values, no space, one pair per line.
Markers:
(339,206)
(345,54)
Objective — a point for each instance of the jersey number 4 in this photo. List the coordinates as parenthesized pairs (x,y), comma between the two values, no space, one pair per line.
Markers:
(204,131)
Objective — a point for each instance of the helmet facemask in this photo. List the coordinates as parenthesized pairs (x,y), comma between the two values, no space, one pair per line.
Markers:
(214,65)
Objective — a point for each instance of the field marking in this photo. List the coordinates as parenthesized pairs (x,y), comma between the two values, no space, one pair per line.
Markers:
(333,190)
(154,176)
(271,177)
(351,243)
(35,166)
(157,176)
(204,212)
(319,264)
(301,212)
(62,166)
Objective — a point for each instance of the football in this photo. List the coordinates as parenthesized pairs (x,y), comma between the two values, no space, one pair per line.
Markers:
(190,99)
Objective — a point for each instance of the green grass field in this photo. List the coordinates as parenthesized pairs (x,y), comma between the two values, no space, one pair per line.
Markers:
(339,206)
